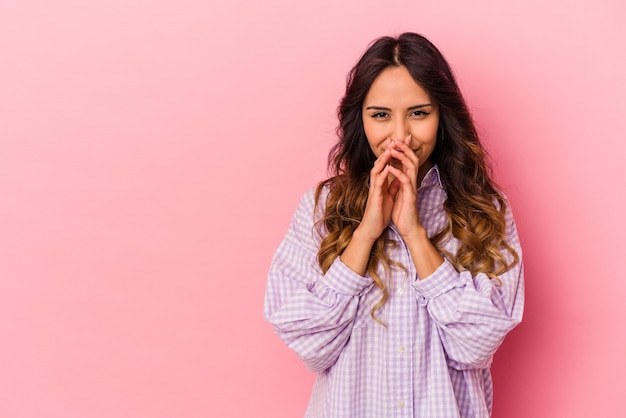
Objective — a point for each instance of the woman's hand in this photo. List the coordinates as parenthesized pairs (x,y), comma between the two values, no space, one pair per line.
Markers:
(404,214)
(380,200)
(403,189)
(376,217)
(393,196)
(392,192)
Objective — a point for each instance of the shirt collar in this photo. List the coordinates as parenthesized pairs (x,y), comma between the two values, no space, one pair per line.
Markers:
(432,178)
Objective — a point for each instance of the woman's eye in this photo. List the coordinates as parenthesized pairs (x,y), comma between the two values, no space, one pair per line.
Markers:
(419,113)
(379,115)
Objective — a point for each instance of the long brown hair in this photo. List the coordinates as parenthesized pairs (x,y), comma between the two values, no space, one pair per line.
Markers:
(475,209)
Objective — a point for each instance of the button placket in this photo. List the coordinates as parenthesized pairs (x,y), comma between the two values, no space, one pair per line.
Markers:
(400,339)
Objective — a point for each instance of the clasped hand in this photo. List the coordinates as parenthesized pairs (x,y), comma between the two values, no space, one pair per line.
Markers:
(393,192)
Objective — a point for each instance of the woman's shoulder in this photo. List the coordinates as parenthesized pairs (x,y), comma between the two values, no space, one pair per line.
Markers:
(305,222)
(314,197)
(312,203)
(308,199)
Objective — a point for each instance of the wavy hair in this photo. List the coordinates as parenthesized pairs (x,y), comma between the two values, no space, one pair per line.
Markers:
(475,209)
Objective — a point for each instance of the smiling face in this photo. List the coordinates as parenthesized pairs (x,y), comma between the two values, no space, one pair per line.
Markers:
(396,107)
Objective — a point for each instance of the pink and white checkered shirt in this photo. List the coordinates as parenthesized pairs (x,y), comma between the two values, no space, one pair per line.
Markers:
(433,357)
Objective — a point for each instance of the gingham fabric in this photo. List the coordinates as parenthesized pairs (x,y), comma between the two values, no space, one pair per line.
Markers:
(432,358)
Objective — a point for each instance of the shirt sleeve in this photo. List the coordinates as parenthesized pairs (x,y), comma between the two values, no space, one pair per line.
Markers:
(473,314)
(311,312)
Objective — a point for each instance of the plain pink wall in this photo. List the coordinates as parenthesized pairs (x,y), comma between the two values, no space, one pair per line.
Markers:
(152,153)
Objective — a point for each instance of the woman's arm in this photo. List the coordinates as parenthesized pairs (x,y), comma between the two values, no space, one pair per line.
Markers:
(311,312)
(474,313)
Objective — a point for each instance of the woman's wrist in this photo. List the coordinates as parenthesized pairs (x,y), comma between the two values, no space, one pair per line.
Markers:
(357,253)
(417,236)
(425,256)
(362,237)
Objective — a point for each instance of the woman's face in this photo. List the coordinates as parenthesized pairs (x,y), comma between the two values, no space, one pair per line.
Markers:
(395,108)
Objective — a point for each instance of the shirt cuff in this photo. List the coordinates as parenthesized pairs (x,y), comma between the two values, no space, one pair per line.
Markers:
(341,279)
(439,282)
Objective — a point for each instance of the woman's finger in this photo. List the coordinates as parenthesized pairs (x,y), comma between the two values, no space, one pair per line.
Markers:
(394,187)
(406,182)
(379,167)
(378,181)
(400,150)
(409,166)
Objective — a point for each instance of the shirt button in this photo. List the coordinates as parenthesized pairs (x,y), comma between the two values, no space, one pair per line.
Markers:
(401,349)
(401,404)
(401,291)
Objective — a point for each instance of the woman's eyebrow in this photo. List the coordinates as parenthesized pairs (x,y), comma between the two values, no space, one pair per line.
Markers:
(419,106)
(376,108)
(388,109)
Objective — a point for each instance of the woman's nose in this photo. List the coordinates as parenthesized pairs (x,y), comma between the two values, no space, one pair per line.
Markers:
(400,129)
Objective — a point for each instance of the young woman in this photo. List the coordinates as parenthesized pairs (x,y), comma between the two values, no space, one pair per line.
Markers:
(401,274)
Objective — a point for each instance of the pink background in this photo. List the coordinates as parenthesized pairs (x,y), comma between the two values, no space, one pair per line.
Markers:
(152,153)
